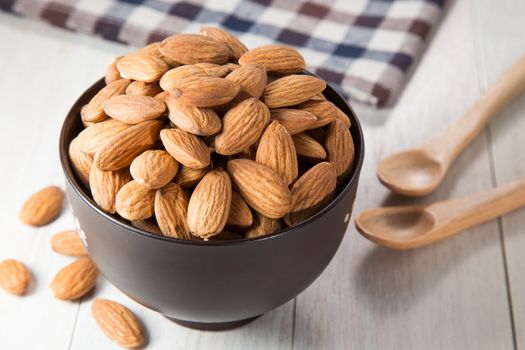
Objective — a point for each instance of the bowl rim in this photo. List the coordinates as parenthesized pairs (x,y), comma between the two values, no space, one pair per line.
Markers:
(67,169)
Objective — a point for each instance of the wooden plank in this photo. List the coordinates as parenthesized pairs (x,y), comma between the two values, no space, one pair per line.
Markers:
(46,75)
(499,27)
(450,295)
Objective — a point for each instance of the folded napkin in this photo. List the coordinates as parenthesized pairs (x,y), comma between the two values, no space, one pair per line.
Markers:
(364,48)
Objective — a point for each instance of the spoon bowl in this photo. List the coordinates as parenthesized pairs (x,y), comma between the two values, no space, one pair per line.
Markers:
(411,173)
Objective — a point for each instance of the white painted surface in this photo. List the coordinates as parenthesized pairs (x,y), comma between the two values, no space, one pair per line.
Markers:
(453,295)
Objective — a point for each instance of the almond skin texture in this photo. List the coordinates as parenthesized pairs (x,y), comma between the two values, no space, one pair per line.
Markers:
(154,169)
(189,177)
(68,243)
(14,276)
(105,185)
(277,151)
(242,126)
(93,138)
(291,90)
(112,73)
(142,67)
(209,204)
(75,280)
(144,89)
(263,226)
(134,109)
(312,192)
(195,120)
(251,78)
(94,110)
(261,187)
(81,162)
(307,147)
(240,214)
(121,149)
(153,50)
(275,58)
(171,211)
(325,111)
(118,323)
(236,48)
(173,76)
(343,117)
(294,120)
(42,207)
(194,48)
(205,92)
(186,148)
(213,70)
(135,202)
(340,148)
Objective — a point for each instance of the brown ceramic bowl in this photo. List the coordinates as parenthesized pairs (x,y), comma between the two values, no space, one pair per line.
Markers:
(217,284)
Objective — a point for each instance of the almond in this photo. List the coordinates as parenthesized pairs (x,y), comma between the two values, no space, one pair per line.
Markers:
(277,151)
(91,139)
(213,70)
(118,323)
(105,185)
(68,243)
(94,110)
(231,66)
(135,202)
(154,169)
(153,50)
(193,48)
(121,149)
(75,280)
(195,120)
(14,276)
(205,92)
(173,76)
(80,161)
(251,78)
(242,126)
(112,73)
(291,90)
(263,226)
(240,214)
(209,204)
(42,207)
(186,148)
(307,147)
(275,58)
(144,89)
(236,48)
(147,225)
(294,120)
(340,148)
(171,211)
(142,67)
(343,117)
(134,109)
(189,177)
(261,187)
(311,192)
(325,111)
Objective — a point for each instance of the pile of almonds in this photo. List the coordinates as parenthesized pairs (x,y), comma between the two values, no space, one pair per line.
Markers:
(197,137)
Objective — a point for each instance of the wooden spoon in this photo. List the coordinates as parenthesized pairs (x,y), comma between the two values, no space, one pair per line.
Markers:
(418,171)
(414,226)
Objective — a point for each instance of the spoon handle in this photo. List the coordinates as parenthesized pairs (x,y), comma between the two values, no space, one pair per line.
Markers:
(447,144)
(459,214)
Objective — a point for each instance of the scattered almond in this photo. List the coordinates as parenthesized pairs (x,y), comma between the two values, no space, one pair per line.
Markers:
(75,280)
(14,276)
(68,243)
(42,207)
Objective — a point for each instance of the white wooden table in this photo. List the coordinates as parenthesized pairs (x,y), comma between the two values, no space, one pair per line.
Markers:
(467,292)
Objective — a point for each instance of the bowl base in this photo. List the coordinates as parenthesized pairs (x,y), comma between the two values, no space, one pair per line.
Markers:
(219,326)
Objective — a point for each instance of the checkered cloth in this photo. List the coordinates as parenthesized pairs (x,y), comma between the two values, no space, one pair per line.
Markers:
(362,47)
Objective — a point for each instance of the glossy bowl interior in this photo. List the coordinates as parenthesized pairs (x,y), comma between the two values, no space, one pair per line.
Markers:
(215,284)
